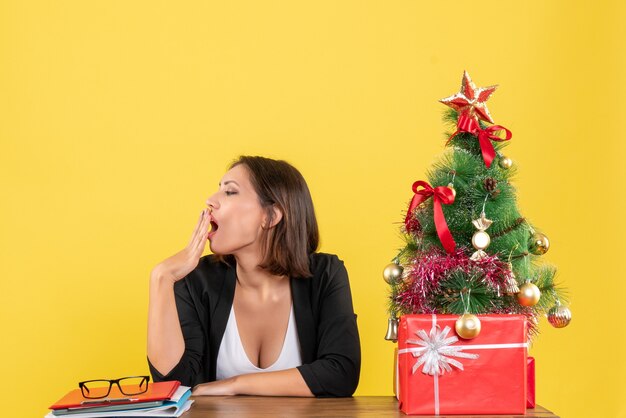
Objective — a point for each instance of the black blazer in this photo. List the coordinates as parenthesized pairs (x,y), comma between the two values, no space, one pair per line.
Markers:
(325,319)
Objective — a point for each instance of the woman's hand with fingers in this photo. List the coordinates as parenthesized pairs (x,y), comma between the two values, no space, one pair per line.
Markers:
(225,387)
(183,262)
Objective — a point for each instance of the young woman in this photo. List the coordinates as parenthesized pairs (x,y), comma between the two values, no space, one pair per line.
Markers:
(264,315)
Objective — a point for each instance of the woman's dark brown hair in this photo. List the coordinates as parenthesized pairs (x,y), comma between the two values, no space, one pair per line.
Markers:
(287,245)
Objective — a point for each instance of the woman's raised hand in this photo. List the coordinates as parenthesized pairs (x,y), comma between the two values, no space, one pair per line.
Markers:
(182,263)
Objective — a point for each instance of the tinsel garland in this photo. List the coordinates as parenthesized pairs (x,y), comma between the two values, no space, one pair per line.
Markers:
(427,270)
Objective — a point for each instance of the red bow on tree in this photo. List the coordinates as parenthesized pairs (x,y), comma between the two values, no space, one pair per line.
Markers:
(440,194)
(485,136)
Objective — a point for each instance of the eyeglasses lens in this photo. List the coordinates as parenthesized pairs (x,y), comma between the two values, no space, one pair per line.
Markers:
(134,385)
(96,388)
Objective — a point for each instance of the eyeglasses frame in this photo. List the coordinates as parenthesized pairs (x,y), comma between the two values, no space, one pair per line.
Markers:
(83,388)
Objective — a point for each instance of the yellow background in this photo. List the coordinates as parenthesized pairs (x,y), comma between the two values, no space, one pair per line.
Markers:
(118,118)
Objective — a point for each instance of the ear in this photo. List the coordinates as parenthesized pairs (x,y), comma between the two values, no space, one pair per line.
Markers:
(277,216)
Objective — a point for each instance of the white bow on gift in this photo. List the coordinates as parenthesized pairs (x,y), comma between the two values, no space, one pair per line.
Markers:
(437,352)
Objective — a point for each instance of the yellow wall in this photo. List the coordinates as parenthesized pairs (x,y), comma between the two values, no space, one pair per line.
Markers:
(117,119)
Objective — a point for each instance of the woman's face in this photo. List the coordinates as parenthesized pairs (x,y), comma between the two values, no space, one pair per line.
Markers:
(237,216)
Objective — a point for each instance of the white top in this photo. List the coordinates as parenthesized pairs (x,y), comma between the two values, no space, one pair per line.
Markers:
(232,359)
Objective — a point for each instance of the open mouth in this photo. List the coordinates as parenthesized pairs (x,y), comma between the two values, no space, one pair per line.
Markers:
(214,227)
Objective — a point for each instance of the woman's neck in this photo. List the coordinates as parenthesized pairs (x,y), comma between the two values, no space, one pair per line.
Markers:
(252,277)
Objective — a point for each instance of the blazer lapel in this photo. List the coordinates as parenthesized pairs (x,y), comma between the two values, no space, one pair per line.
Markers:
(303,311)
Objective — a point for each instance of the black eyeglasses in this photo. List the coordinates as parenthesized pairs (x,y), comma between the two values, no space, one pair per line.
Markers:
(100,388)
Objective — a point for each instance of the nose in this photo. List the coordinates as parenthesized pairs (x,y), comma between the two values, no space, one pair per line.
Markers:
(212,202)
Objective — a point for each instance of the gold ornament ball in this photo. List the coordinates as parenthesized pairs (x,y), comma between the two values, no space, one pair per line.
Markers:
(392,273)
(528,295)
(467,326)
(451,187)
(559,316)
(481,240)
(505,162)
(539,244)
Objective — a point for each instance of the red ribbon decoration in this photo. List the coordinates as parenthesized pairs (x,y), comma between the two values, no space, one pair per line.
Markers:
(466,124)
(485,136)
(440,194)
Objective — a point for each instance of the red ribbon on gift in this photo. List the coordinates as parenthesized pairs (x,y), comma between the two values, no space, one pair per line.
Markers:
(440,194)
(485,136)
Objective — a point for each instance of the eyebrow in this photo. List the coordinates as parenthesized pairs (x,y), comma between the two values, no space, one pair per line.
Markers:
(227,182)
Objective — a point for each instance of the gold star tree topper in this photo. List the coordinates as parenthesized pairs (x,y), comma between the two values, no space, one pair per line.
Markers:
(471,100)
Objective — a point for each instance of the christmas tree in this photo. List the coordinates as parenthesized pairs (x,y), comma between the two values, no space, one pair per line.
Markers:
(468,250)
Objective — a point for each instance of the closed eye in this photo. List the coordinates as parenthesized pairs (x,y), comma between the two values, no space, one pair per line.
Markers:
(230,192)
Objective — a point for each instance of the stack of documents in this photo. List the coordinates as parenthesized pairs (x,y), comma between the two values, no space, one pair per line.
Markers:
(163,399)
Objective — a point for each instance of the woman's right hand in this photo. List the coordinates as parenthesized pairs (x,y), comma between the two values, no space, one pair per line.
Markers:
(182,263)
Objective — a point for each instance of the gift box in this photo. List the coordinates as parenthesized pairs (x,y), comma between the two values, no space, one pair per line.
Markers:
(441,373)
(530,387)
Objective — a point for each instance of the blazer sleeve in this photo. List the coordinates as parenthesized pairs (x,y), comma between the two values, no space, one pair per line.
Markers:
(189,367)
(335,372)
